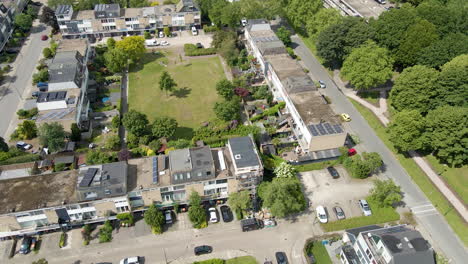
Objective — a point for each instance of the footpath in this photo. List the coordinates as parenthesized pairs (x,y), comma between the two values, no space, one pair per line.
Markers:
(423,165)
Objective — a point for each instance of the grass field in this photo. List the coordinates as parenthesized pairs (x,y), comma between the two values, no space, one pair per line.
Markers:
(320,252)
(419,177)
(192,101)
(238,260)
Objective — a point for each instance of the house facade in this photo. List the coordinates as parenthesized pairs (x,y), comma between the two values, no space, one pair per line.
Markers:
(8,11)
(108,20)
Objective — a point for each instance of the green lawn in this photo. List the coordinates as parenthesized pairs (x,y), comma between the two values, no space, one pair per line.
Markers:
(379,216)
(242,260)
(320,252)
(372,97)
(419,177)
(191,103)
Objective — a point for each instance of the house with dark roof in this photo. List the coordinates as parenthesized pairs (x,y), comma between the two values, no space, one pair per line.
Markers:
(194,164)
(388,245)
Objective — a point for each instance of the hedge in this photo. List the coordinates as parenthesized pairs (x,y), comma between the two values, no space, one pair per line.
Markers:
(192,50)
(20,159)
(269,112)
(208,29)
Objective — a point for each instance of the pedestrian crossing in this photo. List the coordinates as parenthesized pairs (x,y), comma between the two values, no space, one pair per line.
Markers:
(424,210)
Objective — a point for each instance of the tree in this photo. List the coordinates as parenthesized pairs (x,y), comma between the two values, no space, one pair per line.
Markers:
(446,128)
(386,193)
(239,201)
(27,130)
(48,17)
(373,161)
(284,35)
(155,219)
(167,31)
(113,142)
(41,76)
(164,127)
(452,86)
(337,41)
(105,233)
(418,36)
(324,18)
(115,60)
(3,145)
(448,17)
(414,89)
(47,53)
(110,43)
(357,167)
(442,51)
(23,22)
(133,47)
(299,11)
(283,196)
(228,110)
(155,145)
(225,89)
(166,83)
(368,66)
(115,122)
(196,212)
(136,123)
(138,3)
(147,35)
(406,130)
(99,157)
(75,133)
(52,135)
(285,170)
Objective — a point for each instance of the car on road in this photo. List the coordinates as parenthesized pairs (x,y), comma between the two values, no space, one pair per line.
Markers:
(213,215)
(321,214)
(130,260)
(339,213)
(322,84)
(200,250)
(22,145)
(199,45)
(194,31)
(333,172)
(352,152)
(281,258)
(164,43)
(226,213)
(345,117)
(365,207)
(250,224)
(44,37)
(25,245)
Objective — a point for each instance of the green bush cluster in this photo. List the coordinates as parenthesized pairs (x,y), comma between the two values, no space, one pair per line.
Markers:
(126,218)
(16,156)
(24,114)
(105,233)
(269,112)
(208,28)
(210,261)
(63,238)
(192,50)
(41,76)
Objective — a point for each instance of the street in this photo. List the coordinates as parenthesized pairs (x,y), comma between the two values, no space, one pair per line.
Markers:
(430,219)
(18,82)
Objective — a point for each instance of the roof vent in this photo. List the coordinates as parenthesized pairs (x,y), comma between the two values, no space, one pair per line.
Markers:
(399,245)
(59,72)
(406,239)
(237,156)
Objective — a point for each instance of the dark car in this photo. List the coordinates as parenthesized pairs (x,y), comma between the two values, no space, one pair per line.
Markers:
(339,212)
(35,94)
(226,213)
(311,258)
(200,250)
(333,172)
(199,45)
(44,37)
(42,84)
(25,245)
(281,258)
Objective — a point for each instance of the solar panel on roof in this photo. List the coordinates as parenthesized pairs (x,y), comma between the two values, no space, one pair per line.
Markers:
(329,128)
(155,169)
(321,129)
(88,177)
(338,128)
(61,95)
(313,130)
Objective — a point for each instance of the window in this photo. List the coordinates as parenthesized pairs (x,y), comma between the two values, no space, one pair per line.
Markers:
(107,191)
(188,175)
(208,173)
(211,182)
(164,189)
(179,187)
(175,177)
(221,181)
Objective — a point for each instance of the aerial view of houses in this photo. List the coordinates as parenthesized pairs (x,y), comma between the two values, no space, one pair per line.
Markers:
(244,131)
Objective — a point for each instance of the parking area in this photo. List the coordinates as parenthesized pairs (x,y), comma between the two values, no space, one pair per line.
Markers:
(321,189)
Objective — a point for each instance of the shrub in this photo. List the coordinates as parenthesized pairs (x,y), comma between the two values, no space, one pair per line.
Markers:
(63,238)
(23,114)
(41,76)
(59,167)
(291,52)
(126,218)
(47,53)
(147,35)
(208,28)
(192,50)
(210,261)
(269,112)
(105,233)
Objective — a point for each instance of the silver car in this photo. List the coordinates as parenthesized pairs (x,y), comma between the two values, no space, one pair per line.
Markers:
(365,207)
(339,212)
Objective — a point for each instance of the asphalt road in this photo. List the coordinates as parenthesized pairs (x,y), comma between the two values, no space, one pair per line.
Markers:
(21,76)
(426,214)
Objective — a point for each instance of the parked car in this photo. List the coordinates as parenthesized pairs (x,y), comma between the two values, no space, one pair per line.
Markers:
(22,145)
(200,250)
(333,172)
(365,207)
(35,94)
(322,84)
(226,213)
(281,258)
(130,260)
(164,43)
(382,2)
(42,84)
(321,214)
(339,212)
(250,224)
(199,45)
(25,245)
(151,42)
(44,37)
(11,51)
(351,152)
(345,117)
(194,31)
(161,34)
(168,216)
(213,215)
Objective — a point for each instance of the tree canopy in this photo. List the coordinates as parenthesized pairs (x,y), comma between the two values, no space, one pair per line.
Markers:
(116,60)
(133,47)
(442,51)
(136,123)
(386,193)
(52,135)
(368,66)
(155,219)
(299,11)
(284,35)
(406,130)
(239,201)
(228,110)
(324,18)
(166,82)
(196,212)
(225,88)
(164,127)
(452,86)
(283,196)
(3,145)
(27,130)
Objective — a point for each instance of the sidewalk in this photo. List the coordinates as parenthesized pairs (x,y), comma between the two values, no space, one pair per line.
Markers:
(436,180)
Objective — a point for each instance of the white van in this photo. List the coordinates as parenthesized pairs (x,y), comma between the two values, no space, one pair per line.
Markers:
(194,31)
(213,216)
(151,42)
(168,216)
(321,214)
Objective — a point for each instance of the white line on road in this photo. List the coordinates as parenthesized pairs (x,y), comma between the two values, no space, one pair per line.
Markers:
(423,211)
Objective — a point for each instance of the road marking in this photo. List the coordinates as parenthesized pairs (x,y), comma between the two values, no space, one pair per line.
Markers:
(424,205)
(424,210)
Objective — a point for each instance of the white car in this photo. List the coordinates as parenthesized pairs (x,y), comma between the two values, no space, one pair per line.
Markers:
(164,43)
(151,42)
(130,260)
(213,216)
(365,207)
(161,34)
(321,214)
(194,31)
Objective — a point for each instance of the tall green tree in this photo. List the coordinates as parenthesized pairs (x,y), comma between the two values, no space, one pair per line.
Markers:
(23,21)
(452,86)
(239,201)
(386,193)
(407,130)
(3,145)
(324,18)
(196,212)
(442,51)
(299,11)
(373,161)
(166,83)
(27,130)
(225,88)
(110,43)
(284,35)
(447,16)
(75,133)
(368,66)
(136,123)
(133,47)
(228,110)
(48,17)
(155,219)
(447,130)
(414,89)
(283,196)
(52,135)
(417,37)
(116,60)
(164,127)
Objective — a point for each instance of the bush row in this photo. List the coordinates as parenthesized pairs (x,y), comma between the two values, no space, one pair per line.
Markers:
(192,50)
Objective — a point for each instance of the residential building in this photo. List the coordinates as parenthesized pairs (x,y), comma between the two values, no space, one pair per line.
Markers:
(8,10)
(108,20)
(317,128)
(388,245)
